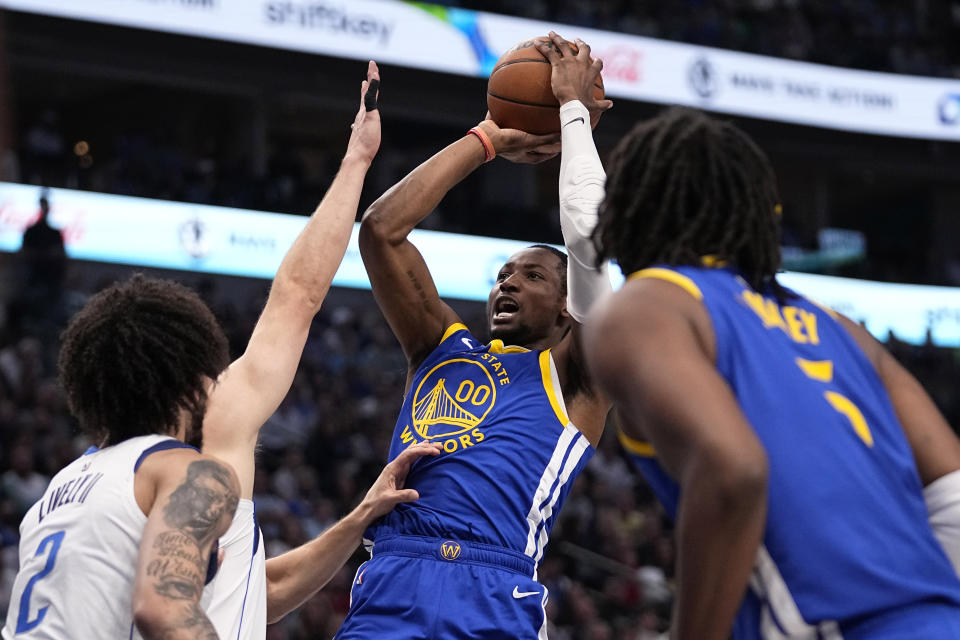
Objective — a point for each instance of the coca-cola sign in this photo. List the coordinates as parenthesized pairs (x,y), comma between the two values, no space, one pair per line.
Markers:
(622,63)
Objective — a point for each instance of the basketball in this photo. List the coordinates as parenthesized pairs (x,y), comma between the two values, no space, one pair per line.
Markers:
(519,94)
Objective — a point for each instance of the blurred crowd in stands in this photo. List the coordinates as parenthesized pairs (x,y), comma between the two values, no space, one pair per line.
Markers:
(149,162)
(903,36)
(610,560)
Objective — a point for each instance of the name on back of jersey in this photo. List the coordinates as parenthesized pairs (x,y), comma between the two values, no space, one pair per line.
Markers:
(73,491)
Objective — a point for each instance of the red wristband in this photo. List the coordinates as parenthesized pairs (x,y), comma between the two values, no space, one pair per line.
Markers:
(485,141)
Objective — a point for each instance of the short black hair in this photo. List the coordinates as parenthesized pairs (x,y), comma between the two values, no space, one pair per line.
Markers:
(136,354)
(683,186)
(562,269)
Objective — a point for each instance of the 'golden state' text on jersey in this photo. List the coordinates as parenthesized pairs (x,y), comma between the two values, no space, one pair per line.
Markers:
(848,551)
(510,454)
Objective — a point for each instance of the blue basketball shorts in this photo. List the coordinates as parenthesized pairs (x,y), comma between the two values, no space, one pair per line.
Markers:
(424,588)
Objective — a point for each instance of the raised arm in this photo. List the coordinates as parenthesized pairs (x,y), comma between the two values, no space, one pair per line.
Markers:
(401,282)
(649,345)
(253,386)
(582,177)
(581,191)
(292,578)
(194,498)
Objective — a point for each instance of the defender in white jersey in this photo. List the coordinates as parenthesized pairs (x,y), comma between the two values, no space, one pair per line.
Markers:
(250,591)
(122,541)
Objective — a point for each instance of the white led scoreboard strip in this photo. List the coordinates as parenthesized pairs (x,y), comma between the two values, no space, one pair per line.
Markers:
(173,235)
(468,42)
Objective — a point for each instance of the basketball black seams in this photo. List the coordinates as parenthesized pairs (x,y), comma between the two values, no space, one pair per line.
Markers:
(598,85)
(526,104)
(509,62)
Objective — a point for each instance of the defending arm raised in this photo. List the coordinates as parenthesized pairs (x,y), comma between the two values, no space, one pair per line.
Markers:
(253,386)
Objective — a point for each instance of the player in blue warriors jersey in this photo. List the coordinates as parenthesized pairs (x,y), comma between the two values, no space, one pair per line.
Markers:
(789,447)
(517,418)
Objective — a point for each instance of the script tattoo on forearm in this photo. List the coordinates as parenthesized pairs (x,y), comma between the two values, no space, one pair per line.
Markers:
(419,288)
(178,565)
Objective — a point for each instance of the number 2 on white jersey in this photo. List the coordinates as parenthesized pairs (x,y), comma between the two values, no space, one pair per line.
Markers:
(54,540)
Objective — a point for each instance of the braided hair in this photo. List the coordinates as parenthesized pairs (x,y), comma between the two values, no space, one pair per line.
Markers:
(683,186)
(138,353)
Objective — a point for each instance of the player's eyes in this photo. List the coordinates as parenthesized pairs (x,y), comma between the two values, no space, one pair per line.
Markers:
(534,275)
(502,276)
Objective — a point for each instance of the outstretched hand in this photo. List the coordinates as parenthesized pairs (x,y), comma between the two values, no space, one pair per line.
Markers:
(574,73)
(520,146)
(387,492)
(365,136)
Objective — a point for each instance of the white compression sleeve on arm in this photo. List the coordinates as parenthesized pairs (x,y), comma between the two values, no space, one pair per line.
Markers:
(582,181)
(943,504)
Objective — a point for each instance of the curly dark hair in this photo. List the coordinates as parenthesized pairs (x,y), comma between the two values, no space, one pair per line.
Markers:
(683,186)
(138,353)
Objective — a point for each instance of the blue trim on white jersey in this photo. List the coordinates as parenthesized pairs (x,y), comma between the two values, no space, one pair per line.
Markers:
(162,446)
(246,589)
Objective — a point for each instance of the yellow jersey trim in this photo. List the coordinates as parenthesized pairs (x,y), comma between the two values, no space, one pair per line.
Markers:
(669,275)
(821,370)
(452,329)
(552,393)
(497,346)
(636,447)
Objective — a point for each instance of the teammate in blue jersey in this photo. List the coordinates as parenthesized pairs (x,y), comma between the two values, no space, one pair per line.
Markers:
(789,447)
(517,418)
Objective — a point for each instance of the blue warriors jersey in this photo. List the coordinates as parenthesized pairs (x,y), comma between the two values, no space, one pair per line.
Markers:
(510,454)
(848,551)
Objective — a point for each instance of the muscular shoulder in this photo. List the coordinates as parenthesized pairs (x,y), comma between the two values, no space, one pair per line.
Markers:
(186,471)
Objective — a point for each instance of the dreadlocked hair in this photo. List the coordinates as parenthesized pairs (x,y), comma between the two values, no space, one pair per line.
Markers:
(683,186)
(138,353)
(561,268)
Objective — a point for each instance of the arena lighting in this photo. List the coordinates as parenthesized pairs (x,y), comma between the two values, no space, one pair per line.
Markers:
(466,42)
(200,238)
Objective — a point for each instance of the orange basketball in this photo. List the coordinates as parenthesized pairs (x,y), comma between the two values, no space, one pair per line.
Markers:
(519,94)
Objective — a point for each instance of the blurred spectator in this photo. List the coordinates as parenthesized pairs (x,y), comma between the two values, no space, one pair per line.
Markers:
(40,267)
(43,254)
(22,485)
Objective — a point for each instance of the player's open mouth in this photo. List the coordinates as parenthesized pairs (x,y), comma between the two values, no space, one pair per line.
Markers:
(504,308)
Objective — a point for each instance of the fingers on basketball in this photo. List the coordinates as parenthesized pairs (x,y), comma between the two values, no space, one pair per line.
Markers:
(520,93)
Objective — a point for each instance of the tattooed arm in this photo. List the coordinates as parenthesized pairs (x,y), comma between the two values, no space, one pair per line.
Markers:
(194,499)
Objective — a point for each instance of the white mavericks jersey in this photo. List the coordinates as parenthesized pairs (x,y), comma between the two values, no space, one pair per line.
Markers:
(236,599)
(79,547)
